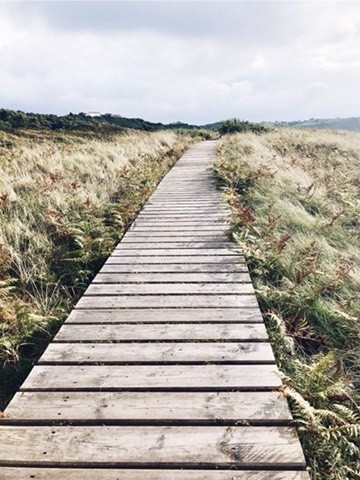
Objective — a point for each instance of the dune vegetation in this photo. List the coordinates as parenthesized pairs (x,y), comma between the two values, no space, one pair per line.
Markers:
(295,201)
(65,200)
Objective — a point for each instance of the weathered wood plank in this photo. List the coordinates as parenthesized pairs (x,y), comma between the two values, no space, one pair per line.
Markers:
(164,241)
(178,228)
(180,353)
(205,235)
(183,213)
(165,315)
(113,445)
(212,206)
(154,239)
(183,216)
(169,288)
(172,197)
(146,406)
(9,473)
(240,332)
(174,268)
(173,377)
(154,245)
(195,223)
(177,252)
(155,210)
(176,277)
(181,259)
(180,202)
(210,219)
(163,301)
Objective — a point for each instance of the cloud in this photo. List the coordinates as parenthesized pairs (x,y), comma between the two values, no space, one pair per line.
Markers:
(189,61)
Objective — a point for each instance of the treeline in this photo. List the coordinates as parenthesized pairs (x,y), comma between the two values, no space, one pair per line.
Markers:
(11,120)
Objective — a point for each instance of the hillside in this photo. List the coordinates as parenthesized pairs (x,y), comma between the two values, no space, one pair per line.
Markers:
(350,124)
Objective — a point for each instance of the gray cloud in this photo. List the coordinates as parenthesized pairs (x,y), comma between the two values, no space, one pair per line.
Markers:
(190,61)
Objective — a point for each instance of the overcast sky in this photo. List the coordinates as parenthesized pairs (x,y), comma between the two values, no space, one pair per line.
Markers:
(193,61)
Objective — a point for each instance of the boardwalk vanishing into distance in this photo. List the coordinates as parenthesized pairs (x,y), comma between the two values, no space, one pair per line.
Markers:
(163,371)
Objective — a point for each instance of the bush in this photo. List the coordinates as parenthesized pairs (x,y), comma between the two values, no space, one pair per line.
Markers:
(234,125)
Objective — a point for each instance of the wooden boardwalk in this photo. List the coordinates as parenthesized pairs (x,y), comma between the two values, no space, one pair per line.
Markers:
(163,371)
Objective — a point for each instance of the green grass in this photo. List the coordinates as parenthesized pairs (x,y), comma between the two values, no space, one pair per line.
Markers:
(296,204)
(65,201)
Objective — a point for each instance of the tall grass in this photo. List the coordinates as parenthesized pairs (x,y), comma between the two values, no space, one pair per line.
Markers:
(65,200)
(296,203)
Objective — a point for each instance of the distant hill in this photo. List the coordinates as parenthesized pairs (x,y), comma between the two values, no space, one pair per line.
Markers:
(351,124)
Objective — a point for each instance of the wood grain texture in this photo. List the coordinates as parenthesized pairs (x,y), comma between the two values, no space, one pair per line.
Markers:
(176,277)
(9,473)
(162,331)
(147,406)
(176,259)
(165,301)
(165,315)
(179,223)
(184,210)
(171,242)
(178,252)
(112,445)
(173,267)
(150,245)
(181,203)
(174,353)
(169,289)
(183,377)
(184,215)
(208,237)
(179,228)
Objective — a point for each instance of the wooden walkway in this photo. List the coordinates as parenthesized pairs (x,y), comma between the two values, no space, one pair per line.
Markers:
(163,371)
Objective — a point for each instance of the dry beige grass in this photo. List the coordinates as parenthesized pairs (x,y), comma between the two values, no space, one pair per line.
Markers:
(296,202)
(65,200)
